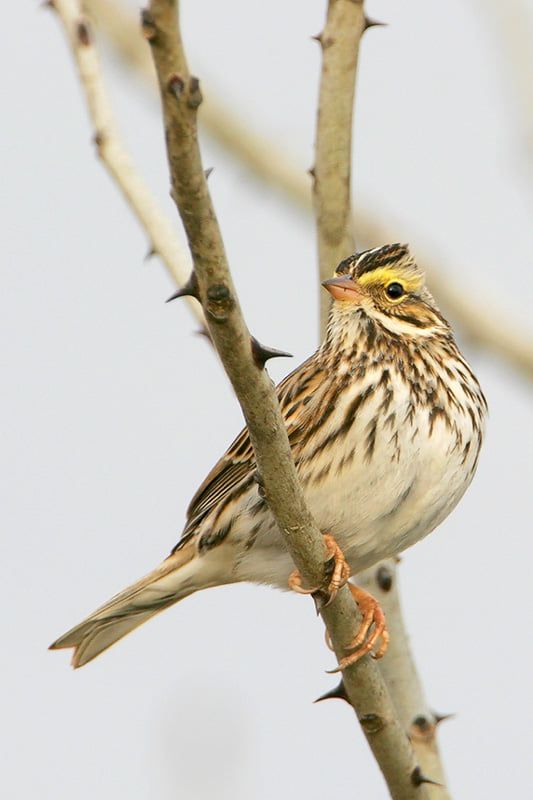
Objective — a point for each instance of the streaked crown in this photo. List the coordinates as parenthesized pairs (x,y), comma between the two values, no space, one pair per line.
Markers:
(390,262)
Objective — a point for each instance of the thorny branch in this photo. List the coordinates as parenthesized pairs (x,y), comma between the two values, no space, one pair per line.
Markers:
(331,174)
(402,679)
(477,320)
(180,95)
(163,240)
(339,41)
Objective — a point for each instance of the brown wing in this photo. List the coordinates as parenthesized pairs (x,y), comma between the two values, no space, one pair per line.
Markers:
(238,462)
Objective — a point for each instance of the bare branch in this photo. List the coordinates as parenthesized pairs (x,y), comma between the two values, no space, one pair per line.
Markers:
(163,240)
(340,41)
(333,148)
(402,679)
(180,95)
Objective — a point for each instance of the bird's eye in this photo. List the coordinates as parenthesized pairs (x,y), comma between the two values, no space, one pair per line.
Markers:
(395,290)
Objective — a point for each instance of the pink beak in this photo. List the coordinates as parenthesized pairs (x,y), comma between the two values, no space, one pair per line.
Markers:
(343,288)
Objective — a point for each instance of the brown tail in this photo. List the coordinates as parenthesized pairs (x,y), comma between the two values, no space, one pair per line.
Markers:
(169,582)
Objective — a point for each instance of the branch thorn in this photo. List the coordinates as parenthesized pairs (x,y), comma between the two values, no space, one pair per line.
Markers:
(337,693)
(373,23)
(207,172)
(190,289)
(417,778)
(442,717)
(261,353)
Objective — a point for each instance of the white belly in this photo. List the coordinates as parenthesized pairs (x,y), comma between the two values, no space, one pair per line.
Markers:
(376,506)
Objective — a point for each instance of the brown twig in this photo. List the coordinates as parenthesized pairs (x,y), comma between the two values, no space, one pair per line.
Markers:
(340,41)
(331,174)
(402,679)
(180,95)
(163,240)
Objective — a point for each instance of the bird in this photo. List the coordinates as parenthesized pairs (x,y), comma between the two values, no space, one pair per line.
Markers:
(385,422)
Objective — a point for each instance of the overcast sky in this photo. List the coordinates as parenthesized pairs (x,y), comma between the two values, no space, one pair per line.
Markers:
(114,410)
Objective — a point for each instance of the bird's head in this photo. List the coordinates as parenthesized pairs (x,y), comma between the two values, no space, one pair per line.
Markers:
(386,286)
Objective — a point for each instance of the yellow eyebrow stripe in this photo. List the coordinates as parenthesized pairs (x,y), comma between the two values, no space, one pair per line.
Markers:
(410,279)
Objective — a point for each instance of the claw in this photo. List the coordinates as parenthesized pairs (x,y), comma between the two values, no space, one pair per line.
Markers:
(295,583)
(338,570)
(365,641)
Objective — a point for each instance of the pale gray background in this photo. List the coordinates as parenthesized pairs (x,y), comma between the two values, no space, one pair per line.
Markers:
(113,411)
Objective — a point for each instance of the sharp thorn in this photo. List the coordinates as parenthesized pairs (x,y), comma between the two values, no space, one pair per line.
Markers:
(337,693)
(417,778)
(261,354)
(317,38)
(207,172)
(311,172)
(190,289)
(150,253)
(442,717)
(373,23)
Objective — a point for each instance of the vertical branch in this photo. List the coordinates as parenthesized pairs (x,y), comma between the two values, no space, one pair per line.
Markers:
(333,148)
(401,676)
(340,41)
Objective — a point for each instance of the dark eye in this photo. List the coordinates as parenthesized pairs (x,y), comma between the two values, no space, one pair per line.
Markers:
(395,290)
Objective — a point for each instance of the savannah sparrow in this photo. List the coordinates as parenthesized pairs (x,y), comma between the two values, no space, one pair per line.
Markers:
(385,422)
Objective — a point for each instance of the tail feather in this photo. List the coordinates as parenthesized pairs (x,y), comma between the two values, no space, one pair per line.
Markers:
(158,590)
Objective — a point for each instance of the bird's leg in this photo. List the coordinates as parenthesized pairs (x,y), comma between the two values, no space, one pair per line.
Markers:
(337,574)
(364,643)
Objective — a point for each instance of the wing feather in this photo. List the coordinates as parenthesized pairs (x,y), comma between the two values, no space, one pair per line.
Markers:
(238,462)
